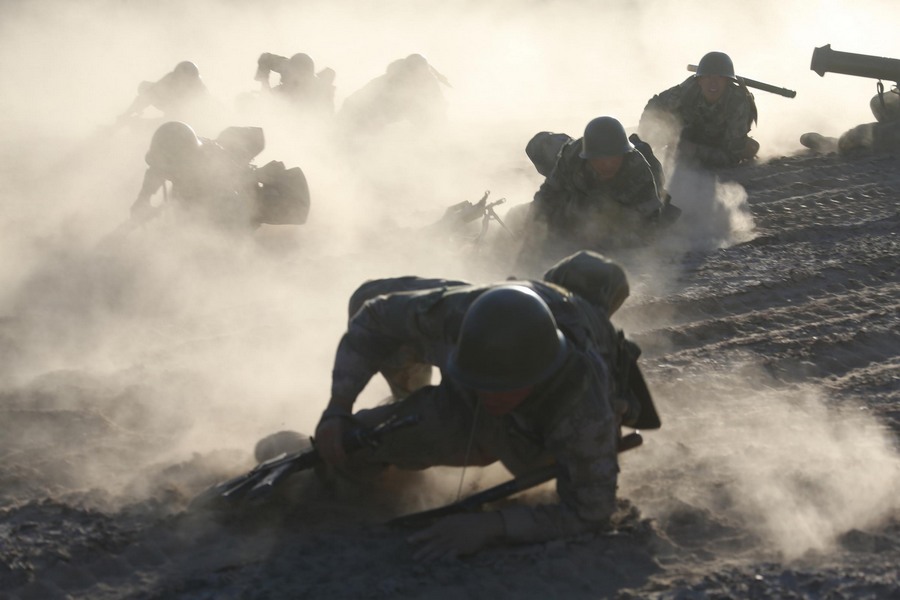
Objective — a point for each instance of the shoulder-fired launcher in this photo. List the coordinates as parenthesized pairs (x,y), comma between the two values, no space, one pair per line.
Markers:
(826,60)
(766,87)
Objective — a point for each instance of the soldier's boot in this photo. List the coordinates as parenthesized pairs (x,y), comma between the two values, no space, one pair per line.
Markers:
(819,143)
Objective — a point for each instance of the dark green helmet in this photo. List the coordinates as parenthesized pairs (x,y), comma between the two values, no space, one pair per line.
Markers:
(604,136)
(716,63)
(509,340)
(173,144)
(593,277)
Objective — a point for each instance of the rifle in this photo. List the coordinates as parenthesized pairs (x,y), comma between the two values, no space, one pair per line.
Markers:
(499,492)
(260,481)
(766,87)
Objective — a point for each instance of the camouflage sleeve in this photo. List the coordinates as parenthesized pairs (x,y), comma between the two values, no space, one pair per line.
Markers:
(384,324)
(660,122)
(640,193)
(584,444)
(738,119)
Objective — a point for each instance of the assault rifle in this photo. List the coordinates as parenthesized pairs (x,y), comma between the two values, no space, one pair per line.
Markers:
(499,492)
(260,481)
(766,87)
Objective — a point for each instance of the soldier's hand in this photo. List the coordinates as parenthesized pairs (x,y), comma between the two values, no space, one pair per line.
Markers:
(329,440)
(457,535)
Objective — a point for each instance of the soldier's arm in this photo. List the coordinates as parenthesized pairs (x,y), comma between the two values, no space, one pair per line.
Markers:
(735,137)
(378,329)
(153,181)
(660,117)
(641,194)
(584,444)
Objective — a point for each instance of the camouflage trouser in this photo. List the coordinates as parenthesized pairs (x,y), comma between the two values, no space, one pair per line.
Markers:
(877,137)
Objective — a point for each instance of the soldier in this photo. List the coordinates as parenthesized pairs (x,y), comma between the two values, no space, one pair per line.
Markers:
(176,95)
(408,91)
(529,377)
(601,193)
(299,83)
(881,136)
(215,182)
(708,116)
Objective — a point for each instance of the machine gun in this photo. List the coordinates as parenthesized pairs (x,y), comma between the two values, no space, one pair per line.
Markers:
(759,85)
(826,60)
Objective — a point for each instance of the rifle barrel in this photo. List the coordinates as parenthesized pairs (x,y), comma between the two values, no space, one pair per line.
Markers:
(759,85)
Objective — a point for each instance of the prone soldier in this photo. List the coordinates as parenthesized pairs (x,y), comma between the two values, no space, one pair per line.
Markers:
(213,181)
(706,118)
(176,95)
(603,190)
(299,82)
(533,373)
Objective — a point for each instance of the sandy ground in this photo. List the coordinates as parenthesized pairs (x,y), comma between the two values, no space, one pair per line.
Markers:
(774,356)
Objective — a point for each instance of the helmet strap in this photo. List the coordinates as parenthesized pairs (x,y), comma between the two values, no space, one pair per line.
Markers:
(462,475)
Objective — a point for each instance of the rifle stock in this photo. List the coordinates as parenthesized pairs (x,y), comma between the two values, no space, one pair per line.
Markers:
(759,85)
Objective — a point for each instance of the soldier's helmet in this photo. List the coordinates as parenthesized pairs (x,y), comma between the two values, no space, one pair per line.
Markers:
(172,145)
(187,70)
(508,340)
(301,66)
(716,63)
(604,136)
(416,63)
(592,276)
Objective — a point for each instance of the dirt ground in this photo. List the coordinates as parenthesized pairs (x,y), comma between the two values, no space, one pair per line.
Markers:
(774,356)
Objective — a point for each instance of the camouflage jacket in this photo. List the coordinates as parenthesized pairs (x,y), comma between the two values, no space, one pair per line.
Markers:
(718,131)
(574,204)
(568,418)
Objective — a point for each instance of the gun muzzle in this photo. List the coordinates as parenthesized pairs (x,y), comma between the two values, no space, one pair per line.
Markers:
(826,60)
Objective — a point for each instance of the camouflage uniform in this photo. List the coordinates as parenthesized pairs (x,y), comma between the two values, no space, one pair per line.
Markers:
(714,135)
(574,209)
(568,418)
(408,91)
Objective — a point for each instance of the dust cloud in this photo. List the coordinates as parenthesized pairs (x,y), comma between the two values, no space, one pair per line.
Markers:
(786,467)
(232,340)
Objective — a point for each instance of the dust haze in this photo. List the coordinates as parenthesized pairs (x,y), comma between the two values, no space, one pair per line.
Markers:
(197,343)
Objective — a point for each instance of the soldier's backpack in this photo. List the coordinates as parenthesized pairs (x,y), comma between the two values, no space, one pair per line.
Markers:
(284,198)
(544,149)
